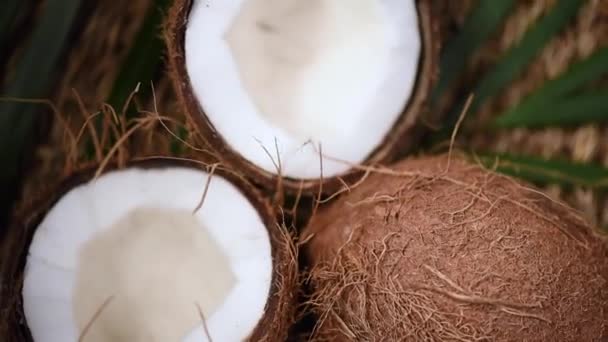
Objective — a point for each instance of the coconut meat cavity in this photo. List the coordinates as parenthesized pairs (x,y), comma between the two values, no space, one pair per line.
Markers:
(335,73)
(126,255)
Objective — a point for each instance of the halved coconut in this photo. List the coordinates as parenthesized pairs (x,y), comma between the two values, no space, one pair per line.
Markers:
(130,256)
(275,82)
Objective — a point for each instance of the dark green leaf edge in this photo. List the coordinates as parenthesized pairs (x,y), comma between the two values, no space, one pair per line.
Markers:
(547,171)
(536,110)
(485,19)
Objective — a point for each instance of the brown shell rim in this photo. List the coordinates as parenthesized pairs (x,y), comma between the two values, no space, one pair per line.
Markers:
(20,233)
(402,137)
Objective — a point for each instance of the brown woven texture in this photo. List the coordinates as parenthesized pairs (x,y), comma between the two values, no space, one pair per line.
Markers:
(91,66)
(589,143)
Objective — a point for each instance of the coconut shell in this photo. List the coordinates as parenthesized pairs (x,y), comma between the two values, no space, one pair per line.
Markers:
(429,253)
(401,139)
(280,309)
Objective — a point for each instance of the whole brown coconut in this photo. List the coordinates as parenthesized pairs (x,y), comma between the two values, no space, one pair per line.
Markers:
(434,250)
(23,317)
(401,137)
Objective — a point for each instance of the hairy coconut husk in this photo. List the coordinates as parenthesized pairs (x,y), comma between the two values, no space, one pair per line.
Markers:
(280,308)
(402,138)
(146,141)
(587,33)
(92,63)
(438,249)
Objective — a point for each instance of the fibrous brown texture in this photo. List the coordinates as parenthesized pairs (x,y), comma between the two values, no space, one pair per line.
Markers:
(587,33)
(280,308)
(403,137)
(443,250)
(83,150)
(88,73)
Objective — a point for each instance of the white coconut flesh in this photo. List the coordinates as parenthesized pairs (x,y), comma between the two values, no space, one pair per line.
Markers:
(303,73)
(128,256)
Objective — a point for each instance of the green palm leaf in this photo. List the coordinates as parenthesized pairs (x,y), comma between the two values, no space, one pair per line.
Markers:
(587,107)
(547,106)
(542,171)
(33,76)
(483,20)
(513,62)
